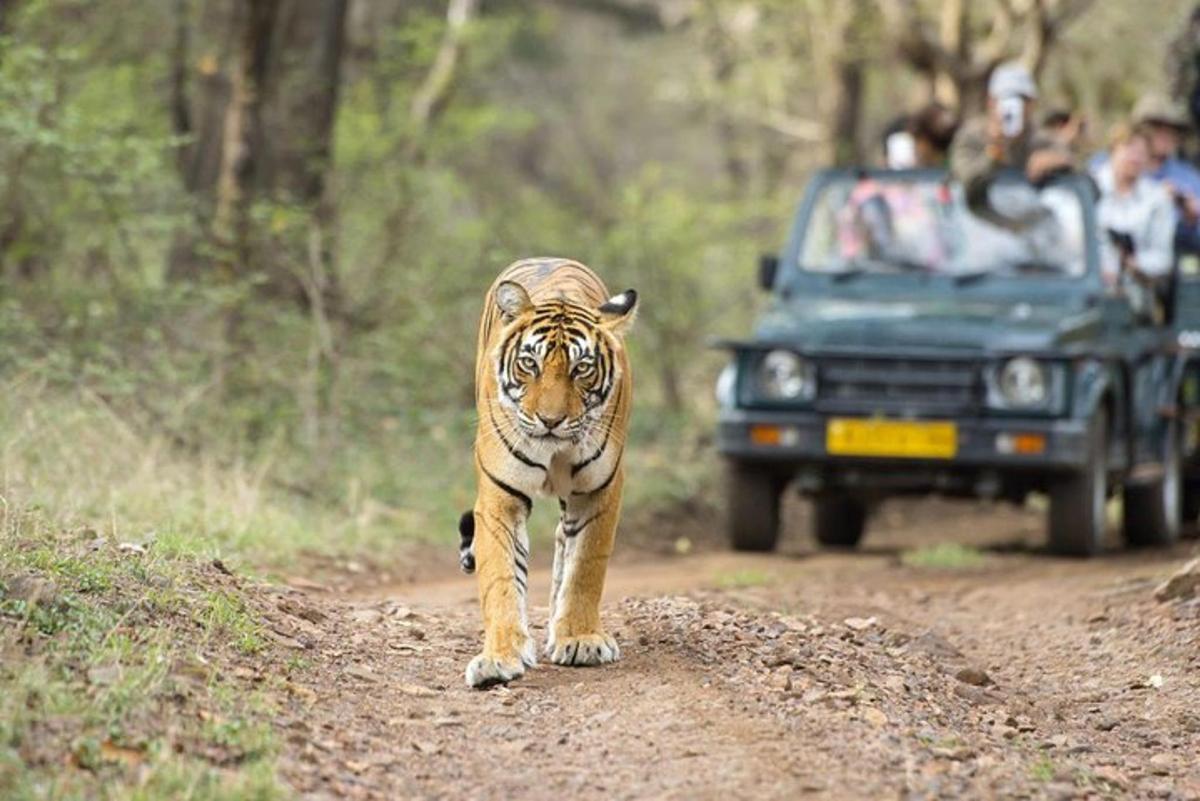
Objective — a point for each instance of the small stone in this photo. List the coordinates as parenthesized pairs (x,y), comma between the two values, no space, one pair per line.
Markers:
(302,611)
(813,696)
(1156,681)
(1110,775)
(1183,584)
(956,754)
(1160,764)
(781,678)
(875,717)
(1107,724)
(362,672)
(976,695)
(416,690)
(974,676)
(860,623)
(366,617)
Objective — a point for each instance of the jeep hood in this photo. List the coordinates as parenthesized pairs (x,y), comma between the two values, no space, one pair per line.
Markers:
(942,324)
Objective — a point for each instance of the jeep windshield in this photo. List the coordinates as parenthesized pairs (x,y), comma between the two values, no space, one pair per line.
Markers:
(919,223)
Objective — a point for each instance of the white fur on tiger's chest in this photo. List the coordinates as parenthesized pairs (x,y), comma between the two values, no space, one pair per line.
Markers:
(558,475)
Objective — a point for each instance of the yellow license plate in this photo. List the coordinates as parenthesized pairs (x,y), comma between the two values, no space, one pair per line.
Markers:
(918,440)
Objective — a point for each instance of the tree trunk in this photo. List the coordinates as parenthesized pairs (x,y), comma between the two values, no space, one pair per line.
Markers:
(848,93)
(242,141)
(848,84)
(305,80)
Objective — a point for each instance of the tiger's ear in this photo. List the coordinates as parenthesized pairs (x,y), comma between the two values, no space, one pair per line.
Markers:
(618,312)
(513,300)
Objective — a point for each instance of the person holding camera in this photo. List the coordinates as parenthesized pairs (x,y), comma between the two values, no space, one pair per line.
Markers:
(1137,217)
(1165,124)
(1004,138)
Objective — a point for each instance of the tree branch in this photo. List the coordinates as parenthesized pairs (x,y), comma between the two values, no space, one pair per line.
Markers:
(433,93)
(913,40)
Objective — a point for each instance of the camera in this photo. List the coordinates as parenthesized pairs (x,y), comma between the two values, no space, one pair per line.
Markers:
(1012,116)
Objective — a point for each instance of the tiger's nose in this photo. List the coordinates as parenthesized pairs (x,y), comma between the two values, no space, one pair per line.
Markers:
(550,422)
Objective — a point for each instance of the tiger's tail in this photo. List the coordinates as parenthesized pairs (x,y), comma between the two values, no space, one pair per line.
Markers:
(466,532)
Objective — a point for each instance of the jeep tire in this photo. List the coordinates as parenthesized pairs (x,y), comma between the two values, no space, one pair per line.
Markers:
(752,504)
(839,520)
(1076,521)
(1152,510)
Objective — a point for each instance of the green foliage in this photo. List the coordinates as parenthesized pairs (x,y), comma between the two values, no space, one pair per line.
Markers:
(89,660)
(943,556)
(224,615)
(1042,769)
(85,180)
(743,579)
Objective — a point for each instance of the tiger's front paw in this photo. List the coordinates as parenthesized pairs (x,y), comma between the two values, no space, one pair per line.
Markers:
(488,669)
(484,671)
(583,650)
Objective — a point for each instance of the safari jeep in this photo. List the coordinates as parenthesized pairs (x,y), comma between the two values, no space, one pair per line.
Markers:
(911,346)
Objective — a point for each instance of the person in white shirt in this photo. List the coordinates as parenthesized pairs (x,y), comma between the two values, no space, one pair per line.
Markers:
(1136,215)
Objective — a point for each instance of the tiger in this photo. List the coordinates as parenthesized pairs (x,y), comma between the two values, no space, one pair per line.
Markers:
(553,391)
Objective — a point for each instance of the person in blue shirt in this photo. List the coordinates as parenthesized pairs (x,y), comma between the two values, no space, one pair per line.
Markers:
(1165,125)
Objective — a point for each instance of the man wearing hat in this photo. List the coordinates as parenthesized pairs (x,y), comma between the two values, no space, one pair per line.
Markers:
(1165,124)
(1005,138)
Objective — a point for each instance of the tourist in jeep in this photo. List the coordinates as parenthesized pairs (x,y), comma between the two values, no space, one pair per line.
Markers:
(1004,138)
(1135,213)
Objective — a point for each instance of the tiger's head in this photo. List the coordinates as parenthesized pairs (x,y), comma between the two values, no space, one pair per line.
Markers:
(556,366)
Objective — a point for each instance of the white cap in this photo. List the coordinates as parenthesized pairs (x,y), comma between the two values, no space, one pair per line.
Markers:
(1012,79)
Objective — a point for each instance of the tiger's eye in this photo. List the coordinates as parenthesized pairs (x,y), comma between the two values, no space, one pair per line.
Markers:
(583,369)
(528,364)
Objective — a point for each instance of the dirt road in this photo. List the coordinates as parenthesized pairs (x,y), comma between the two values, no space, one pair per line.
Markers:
(817,674)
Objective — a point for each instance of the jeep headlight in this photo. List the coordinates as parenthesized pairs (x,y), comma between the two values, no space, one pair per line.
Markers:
(784,376)
(1025,384)
(726,388)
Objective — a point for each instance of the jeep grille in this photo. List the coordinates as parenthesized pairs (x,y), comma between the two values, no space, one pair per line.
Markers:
(883,385)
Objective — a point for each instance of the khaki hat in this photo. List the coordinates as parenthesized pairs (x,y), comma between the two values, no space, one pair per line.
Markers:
(1158,108)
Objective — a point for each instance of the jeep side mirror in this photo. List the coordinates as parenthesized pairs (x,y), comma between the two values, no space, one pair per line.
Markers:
(768,266)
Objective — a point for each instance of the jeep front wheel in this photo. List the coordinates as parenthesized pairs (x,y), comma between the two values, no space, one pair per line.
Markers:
(752,503)
(1076,519)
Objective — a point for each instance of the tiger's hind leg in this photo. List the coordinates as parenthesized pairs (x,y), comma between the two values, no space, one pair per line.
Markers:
(589,528)
(501,549)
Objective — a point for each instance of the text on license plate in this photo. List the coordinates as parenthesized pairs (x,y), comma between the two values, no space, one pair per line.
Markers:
(867,437)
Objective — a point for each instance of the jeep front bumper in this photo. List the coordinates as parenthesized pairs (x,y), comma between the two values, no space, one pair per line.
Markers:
(1061,444)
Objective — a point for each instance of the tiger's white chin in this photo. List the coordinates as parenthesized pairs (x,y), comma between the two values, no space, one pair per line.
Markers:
(548,442)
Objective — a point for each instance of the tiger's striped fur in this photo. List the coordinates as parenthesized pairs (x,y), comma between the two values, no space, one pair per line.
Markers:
(553,391)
